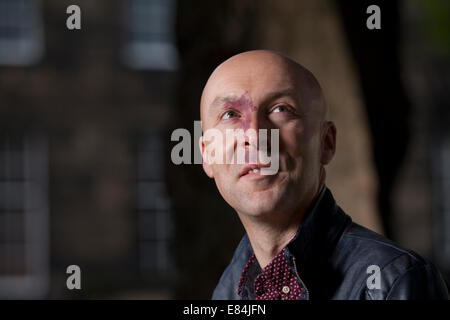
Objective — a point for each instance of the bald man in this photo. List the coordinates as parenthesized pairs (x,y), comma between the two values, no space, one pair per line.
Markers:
(299,244)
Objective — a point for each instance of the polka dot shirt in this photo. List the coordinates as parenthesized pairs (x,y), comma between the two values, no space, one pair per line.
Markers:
(275,282)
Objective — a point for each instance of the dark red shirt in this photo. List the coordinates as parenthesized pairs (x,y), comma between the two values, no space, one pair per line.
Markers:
(274,282)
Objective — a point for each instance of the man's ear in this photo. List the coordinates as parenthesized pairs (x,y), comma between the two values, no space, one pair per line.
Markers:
(206,166)
(328,147)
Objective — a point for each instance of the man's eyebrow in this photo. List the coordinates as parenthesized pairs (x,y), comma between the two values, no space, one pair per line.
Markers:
(220,100)
(290,91)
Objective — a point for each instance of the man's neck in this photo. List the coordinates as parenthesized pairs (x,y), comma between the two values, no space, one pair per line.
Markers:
(267,241)
(268,238)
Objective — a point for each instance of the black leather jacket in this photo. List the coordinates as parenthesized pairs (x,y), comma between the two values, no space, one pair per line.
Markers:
(331,256)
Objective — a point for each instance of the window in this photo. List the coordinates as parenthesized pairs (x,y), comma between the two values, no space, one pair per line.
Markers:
(154,210)
(21,34)
(23,216)
(149,42)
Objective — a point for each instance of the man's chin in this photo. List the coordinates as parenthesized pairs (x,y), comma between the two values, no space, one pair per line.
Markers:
(261,204)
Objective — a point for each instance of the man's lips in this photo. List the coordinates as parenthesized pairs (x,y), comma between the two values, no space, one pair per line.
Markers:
(252,169)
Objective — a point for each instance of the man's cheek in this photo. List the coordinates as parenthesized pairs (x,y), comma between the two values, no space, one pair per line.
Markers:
(214,148)
(221,172)
(291,142)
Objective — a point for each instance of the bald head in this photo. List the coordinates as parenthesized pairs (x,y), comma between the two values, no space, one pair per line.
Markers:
(264,69)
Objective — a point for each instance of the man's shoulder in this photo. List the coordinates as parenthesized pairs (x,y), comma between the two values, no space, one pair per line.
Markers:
(362,241)
(227,286)
(402,273)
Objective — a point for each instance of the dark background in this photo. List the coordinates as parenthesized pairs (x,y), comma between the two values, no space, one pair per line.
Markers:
(86,118)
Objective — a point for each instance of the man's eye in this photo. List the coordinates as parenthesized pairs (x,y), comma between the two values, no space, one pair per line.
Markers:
(280,109)
(229,115)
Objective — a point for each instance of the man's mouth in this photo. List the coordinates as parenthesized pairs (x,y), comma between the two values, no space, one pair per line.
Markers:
(252,169)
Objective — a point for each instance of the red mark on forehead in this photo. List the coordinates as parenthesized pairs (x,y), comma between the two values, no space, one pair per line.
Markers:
(244,105)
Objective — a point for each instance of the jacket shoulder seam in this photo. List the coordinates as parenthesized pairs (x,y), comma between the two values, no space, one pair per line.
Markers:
(397,280)
(399,277)
(387,244)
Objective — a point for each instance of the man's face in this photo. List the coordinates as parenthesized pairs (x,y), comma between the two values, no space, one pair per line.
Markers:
(265,93)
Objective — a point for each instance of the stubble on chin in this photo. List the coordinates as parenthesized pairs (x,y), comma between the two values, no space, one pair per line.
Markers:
(258,203)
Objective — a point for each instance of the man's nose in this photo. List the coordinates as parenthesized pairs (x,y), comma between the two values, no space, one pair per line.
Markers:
(255,121)
(257,124)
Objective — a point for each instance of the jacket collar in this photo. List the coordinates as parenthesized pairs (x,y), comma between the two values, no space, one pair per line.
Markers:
(315,240)
(318,228)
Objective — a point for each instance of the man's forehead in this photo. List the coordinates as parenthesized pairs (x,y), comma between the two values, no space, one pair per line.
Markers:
(228,88)
(247,75)
(261,78)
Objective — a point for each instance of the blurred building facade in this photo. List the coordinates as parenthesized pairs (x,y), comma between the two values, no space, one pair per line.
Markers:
(85,123)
